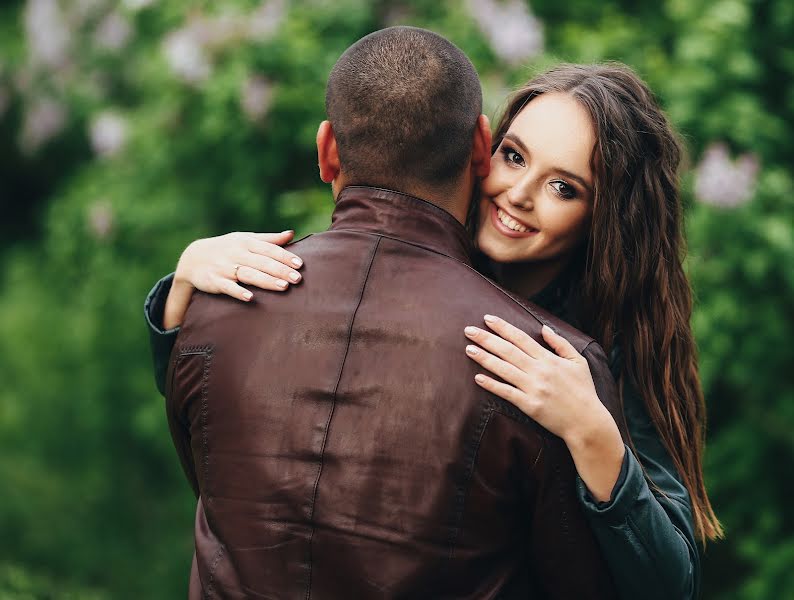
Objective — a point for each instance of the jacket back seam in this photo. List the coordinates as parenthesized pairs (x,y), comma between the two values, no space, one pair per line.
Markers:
(331,414)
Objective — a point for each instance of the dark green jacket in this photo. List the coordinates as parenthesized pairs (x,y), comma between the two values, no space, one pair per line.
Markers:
(647,536)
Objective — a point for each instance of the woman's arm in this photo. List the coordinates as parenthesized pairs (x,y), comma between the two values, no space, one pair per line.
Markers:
(647,538)
(647,535)
(216,266)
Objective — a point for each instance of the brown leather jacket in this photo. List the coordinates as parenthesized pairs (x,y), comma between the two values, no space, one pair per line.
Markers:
(339,446)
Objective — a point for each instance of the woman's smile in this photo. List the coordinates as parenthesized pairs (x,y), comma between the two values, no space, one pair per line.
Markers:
(508,225)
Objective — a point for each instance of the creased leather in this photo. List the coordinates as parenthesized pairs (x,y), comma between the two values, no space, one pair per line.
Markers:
(338,443)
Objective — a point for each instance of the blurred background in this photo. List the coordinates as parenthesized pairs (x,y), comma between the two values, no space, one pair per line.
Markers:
(129,128)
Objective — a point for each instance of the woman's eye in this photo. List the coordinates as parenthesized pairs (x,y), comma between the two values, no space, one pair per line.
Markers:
(513,157)
(563,190)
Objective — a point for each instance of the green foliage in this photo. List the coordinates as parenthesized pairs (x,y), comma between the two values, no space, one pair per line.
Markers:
(93,501)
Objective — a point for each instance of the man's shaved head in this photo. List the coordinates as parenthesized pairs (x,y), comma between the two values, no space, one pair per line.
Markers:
(403,104)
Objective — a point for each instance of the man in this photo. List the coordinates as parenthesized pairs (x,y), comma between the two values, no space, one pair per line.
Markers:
(333,434)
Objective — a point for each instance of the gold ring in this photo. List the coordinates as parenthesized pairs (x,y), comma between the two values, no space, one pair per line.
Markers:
(236,268)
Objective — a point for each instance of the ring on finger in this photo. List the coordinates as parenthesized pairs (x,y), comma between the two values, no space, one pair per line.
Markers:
(236,268)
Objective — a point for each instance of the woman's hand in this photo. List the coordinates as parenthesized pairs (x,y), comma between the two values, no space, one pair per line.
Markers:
(557,391)
(217,265)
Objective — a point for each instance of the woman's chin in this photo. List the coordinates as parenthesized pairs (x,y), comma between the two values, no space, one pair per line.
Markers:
(497,252)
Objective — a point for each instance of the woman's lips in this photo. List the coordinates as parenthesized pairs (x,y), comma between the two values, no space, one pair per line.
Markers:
(504,229)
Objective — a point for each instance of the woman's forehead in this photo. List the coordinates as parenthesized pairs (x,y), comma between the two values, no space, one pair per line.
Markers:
(557,128)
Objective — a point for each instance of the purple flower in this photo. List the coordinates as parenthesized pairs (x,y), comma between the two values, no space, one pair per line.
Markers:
(513,32)
(108,132)
(186,56)
(255,98)
(100,220)
(43,121)
(720,181)
(113,32)
(265,20)
(47,32)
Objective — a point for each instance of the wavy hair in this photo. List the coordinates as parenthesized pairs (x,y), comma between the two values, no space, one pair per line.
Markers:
(633,288)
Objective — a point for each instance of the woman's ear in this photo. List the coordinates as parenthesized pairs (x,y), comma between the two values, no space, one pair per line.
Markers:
(327,153)
(481,148)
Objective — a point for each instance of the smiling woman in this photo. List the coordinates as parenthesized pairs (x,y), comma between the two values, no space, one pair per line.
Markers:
(537,201)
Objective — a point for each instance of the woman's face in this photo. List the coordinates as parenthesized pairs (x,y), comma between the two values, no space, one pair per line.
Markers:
(537,201)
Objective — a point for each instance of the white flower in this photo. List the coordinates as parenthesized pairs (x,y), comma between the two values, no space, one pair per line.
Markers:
(137,4)
(100,220)
(265,20)
(113,32)
(719,181)
(108,132)
(47,32)
(186,57)
(43,121)
(255,98)
(513,32)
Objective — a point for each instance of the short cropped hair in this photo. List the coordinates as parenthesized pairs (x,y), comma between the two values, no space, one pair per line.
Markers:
(403,103)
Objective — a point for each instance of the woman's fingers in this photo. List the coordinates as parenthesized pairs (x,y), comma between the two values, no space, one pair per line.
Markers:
(261,280)
(514,335)
(230,288)
(275,238)
(503,390)
(498,346)
(497,366)
(269,266)
(559,344)
(274,251)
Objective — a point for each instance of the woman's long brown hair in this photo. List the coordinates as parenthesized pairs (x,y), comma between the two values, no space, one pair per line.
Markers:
(633,287)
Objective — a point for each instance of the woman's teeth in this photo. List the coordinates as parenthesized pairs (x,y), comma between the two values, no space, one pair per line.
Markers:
(509,222)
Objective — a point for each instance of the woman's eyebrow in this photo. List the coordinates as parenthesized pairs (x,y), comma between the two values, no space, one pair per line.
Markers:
(575,177)
(517,141)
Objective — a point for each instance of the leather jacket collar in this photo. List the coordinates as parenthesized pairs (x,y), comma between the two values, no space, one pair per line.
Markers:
(406,218)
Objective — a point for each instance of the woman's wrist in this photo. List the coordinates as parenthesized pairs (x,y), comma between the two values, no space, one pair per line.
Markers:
(597,449)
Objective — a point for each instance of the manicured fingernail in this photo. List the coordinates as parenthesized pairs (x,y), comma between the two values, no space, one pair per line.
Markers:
(490,319)
(295,277)
(297,262)
(547,328)
(287,231)
(471,350)
(281,283)
(470,330)
(479,378)
(247,296)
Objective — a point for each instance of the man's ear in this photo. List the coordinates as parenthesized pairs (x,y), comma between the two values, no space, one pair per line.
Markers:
(481,148)
(327,153)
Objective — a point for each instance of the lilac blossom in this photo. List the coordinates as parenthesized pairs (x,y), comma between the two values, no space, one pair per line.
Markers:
(113,32)
(138,4)
(186,56)
(255,98)
(512,31)
(720,181)
(265,20)
(47,32)
(100,220)
(43,121)
(108,133)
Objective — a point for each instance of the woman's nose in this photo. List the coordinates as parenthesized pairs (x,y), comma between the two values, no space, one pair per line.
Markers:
(520,196)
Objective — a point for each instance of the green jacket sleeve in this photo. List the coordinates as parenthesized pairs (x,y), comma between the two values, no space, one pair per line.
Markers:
(161,341)
(647,535)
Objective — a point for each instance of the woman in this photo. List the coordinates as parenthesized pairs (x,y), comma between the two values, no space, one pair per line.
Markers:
(581,214)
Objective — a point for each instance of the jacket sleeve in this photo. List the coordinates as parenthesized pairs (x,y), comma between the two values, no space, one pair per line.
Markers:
(646,535)
(161,341)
